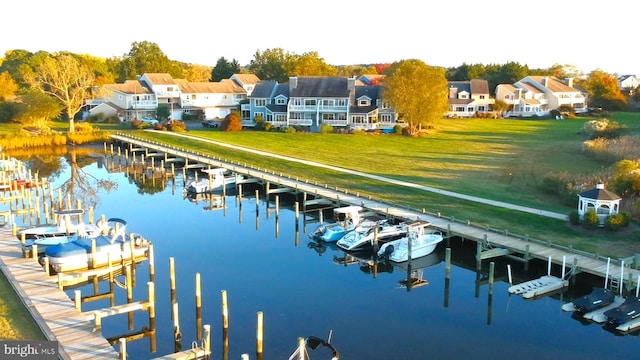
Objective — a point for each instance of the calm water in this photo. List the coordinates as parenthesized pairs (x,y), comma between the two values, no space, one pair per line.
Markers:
(267,266)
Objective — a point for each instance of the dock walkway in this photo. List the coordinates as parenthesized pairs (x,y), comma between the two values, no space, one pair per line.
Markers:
(51,308)
(497,240)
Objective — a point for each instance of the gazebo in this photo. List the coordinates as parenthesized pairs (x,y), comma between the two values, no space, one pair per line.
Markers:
(602,201)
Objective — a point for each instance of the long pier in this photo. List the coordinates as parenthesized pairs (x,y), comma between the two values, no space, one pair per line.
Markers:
(491,243)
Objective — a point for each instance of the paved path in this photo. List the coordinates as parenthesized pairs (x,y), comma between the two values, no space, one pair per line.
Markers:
(385,179)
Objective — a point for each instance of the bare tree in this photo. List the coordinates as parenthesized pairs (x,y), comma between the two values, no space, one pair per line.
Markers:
(66,79)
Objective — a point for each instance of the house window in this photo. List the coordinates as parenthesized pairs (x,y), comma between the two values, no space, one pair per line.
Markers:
(341,102)
(342,116)
(193,97)
(281,117)
(386,118)
(295,115)
(225,96)
(310,102)
(281,101)
(363,102)
(261,102)
(459,108)
(258,115)
(386,105)
(328,117)
(482,97)
(327,102)
(296,102)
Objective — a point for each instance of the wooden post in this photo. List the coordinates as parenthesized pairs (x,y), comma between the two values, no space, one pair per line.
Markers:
(198,308)
(122,353)
(225,310)
(152,305)
(93,253)
(207,340)
(47,269)
(34,251)
(259,334)
(152,264)
(77,299)
(172,282)
(177,334)
(491,275)
(447,262)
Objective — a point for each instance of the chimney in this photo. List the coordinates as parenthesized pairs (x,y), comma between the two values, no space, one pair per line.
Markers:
(545,80)
(351,83)
(568,82)
(293,82)
(453,92)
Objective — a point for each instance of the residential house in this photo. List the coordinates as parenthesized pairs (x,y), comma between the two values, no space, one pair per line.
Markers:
(209,100)
(247,81)
(628,84)
(538,95)
(131,100)
(166,89)
(313,101)
(466,98)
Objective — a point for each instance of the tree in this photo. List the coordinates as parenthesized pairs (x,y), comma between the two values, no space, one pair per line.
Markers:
(310,64)
(8,86)
(146,57)
(417,91)
(273,64)
(64,78)
(231,122)
(37,109)
(604,91)
(500,106)
(197,73)
(224,69)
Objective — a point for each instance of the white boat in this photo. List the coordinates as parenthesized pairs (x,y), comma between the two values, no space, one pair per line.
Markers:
(538,287)
(346,218)
(82,254)
(419,241)
(64,227)
(42,242)
(365,237)
(216,179)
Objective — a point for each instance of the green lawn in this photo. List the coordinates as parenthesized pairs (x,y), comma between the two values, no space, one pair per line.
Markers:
(503,160)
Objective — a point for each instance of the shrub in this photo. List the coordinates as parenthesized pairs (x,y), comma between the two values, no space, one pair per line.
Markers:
(574,218)
(290,130)
(397,129)
(326,129)
(266,126)
(231,122)
(614,222)
(591,220)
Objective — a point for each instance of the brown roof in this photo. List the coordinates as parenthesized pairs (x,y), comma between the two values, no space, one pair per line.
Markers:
(160,78)
(130,87)
(554,84)
(247,78)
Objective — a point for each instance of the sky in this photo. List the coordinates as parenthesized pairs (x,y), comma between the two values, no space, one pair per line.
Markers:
(586,34)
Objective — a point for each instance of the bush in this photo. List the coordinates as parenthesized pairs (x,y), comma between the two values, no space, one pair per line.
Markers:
(574,218)
(397,129)
(614,222)
(591,220)
(231,122)
(290,130)
(326,129)
(265,125)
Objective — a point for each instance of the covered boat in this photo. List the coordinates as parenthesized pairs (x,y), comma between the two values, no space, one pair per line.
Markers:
(85,253)
(419,241)
(597,298)
(628,311)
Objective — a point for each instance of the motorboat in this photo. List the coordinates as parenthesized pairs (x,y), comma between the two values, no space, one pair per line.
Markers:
(364,238)
(628,311)
(86,253)
(64,227)
(42,242)
(597,298)
(217,179)
(420,241)
(346,218)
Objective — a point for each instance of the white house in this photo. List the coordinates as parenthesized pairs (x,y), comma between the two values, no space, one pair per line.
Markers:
(538,95)
(466,98)
(628,83)
(131,100)
(213,100)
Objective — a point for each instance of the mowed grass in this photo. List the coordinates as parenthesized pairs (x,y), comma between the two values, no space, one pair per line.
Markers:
(15,321)
(504,160)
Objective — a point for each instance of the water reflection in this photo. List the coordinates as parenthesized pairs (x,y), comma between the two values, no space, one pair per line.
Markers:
(307,288)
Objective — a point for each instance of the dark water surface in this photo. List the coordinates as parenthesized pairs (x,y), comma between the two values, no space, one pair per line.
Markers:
(266,266)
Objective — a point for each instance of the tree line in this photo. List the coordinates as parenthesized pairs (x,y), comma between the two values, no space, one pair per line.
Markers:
(37,87)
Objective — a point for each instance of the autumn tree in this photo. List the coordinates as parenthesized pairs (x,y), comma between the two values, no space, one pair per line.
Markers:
(273,64)
(231,122)
(197,73)
(311,64)
(64,78)
(417,91)
(604,91)
(8,87)
(37,109)
(224,69)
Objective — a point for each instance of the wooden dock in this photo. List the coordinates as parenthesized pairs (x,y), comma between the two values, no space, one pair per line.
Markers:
(51,308)
(488,239)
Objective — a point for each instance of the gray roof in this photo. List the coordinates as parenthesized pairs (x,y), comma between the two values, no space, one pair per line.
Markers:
(320,86)
(599,193)
(263,89)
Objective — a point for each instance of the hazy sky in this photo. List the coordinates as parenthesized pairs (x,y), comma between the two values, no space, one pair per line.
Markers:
(589,35)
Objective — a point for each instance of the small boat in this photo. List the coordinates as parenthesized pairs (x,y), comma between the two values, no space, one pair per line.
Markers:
(65,227)
(597,298)
(216,180)
(628,311)
(314,342)
(347,218)
(364,238)
(80,254)
(418,242)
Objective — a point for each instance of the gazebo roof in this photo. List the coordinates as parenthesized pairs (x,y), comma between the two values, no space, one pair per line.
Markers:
(600,193)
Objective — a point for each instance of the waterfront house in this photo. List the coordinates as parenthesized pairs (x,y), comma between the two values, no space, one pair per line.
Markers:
(466,98)
(131,100)
(538,95)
